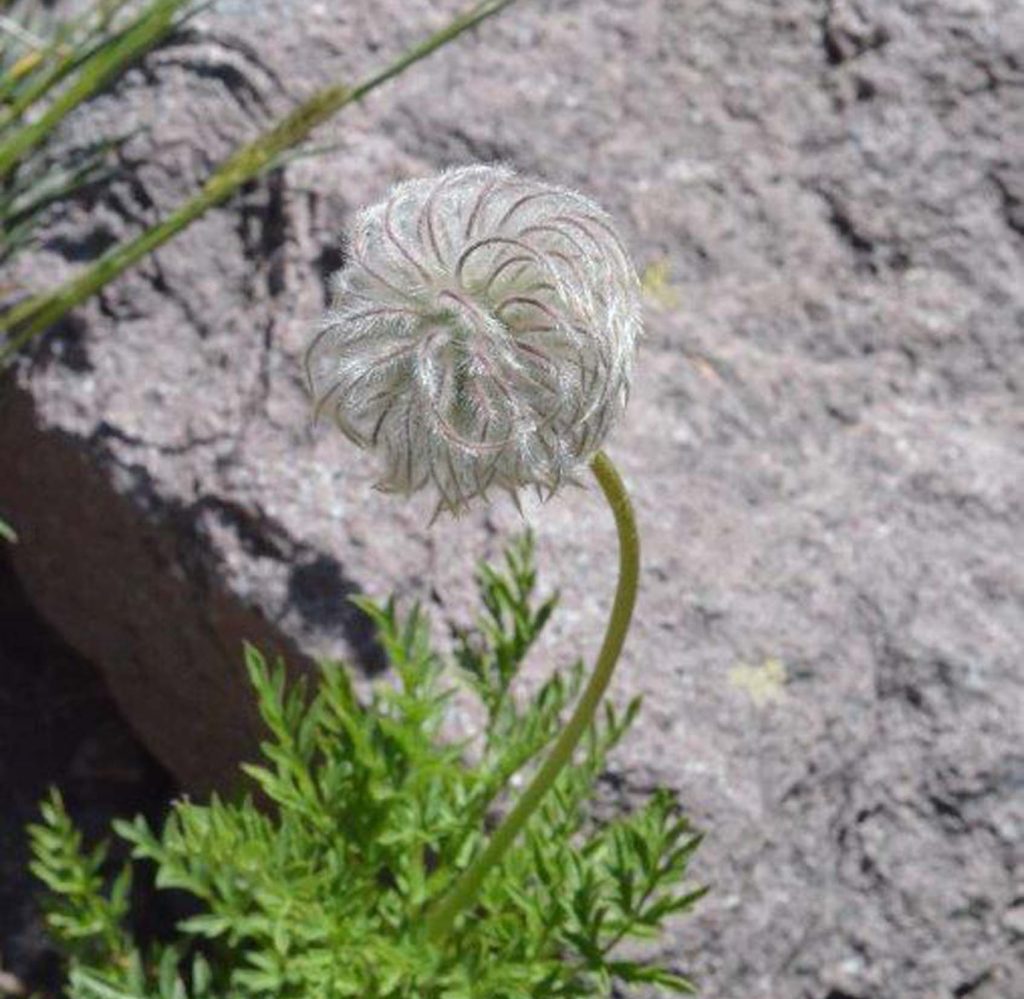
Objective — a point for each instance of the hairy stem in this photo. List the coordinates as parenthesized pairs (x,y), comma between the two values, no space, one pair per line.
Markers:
(441,917)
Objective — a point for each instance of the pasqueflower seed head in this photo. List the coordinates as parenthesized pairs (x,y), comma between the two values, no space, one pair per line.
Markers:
(481,334)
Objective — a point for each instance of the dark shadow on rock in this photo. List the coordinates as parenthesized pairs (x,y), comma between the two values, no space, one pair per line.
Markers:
(59,727)
(329,261)
(319,592)
(263,227)
(84,248)
(64,343)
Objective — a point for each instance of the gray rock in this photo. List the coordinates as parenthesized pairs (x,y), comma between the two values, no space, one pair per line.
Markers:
(824,441)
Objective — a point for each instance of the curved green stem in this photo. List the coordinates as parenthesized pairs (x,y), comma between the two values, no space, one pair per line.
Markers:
(441,917)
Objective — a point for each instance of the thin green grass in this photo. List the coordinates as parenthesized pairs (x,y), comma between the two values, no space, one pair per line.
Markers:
(87,68)
(48,68)
(32,317)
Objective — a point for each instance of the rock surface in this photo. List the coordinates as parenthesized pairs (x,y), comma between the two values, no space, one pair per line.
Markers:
(825,441)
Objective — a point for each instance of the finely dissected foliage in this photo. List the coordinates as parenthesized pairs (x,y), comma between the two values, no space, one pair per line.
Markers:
(482,334)
(320,893)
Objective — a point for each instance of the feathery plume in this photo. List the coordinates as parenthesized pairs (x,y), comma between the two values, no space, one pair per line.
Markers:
(481,335)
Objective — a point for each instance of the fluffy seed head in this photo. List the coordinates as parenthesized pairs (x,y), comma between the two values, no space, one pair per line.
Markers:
(481,335)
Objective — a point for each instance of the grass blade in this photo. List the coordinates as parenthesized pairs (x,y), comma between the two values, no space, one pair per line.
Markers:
(107,62)
(35,315)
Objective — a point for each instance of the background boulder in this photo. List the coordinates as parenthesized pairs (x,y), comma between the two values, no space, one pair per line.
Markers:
(826,198)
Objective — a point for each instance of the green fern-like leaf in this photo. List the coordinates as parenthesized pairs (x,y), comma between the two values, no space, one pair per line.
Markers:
(366,817)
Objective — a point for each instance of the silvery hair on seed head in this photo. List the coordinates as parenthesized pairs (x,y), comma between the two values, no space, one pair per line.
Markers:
(481,335)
